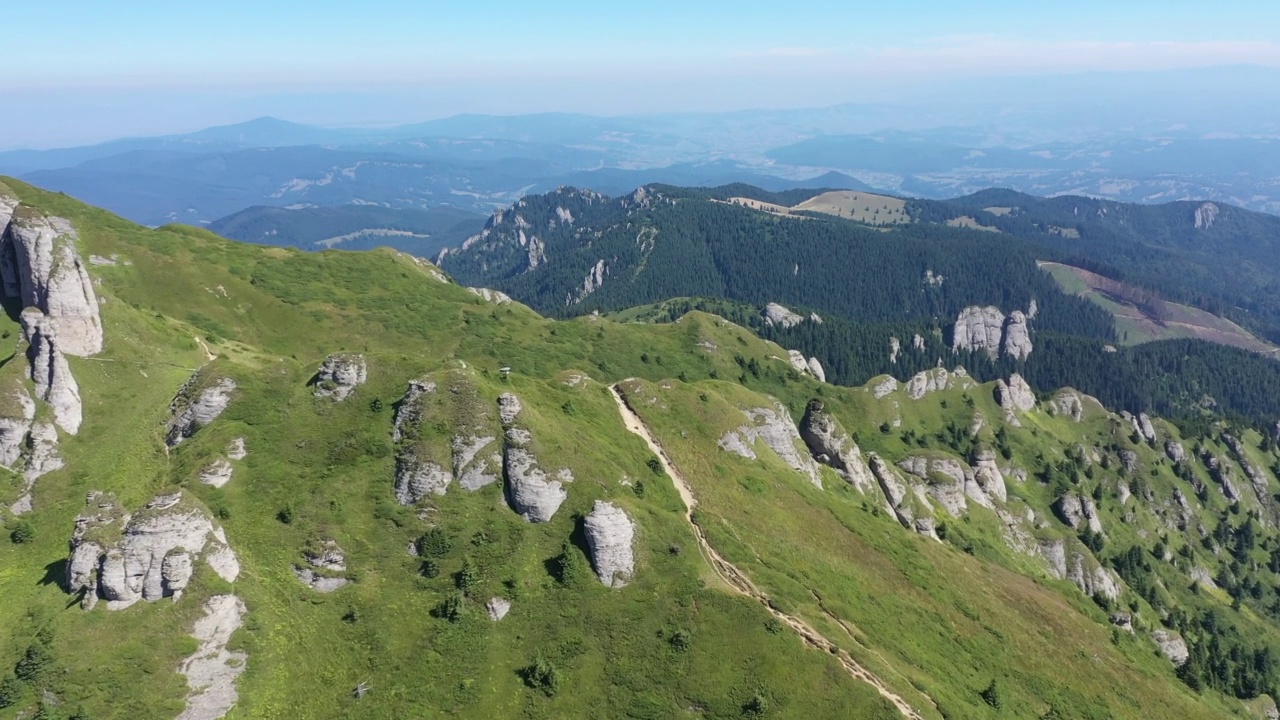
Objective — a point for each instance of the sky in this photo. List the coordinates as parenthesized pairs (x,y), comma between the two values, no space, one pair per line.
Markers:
(85,70)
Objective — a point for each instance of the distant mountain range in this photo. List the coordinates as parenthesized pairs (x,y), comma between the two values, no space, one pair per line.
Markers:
(479,163)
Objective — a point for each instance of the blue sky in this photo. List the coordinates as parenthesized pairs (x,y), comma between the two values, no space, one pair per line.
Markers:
(147,66)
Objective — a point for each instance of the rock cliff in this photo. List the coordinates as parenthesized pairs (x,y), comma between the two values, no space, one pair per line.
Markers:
(529,490)
(199,402)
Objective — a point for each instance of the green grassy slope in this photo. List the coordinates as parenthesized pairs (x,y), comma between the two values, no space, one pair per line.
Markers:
(935,622)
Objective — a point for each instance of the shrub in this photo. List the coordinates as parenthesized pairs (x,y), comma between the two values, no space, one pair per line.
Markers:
(756,707)
(10,691)
(34,663)
(681,640)
(435,543)
(23,532)
(285,515)
(542,675)
(991,695)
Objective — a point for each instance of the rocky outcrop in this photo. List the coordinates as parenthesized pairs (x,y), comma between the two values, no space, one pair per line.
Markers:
(50,371)
(1078,512)
(212,670)
(528,488)
(774,426)
(816,370)
(907,502)
(953,484)
(831,445)
(978,328)
(27,446)
(1015,397)
(1175,451)
(470,457)
(494,296)
(1172,646)
(592,282)
(217,473)
(41,268)
(148,555)
(1017,336)
(987,328)
(777,315)
(895,349)
(236,450)
(199,402)
(928,381)
(610,533)
(340,374)
(987,473)
(1080,569)
(885,386)
(325,565)
(497,608)
(1206,215)
(1068,403)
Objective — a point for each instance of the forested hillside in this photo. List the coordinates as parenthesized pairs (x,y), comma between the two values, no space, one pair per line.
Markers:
(574,252)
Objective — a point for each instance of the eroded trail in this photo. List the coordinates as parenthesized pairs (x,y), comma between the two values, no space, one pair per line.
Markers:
(738,580)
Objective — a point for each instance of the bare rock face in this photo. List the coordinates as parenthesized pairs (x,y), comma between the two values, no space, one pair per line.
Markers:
(1145,428)
(1068,403)
(987,474)
(1017,336)
(493,296)
(1015,396)
(948,481)
(148,555)
(798,363)
(471,457)
(41,267)
(908,501)
(49,370)
(816,370)
(199,402)
(774,426)
(1172,646)
(497,608)
(15,425)
(609,535)
(212,670)
(1206,216)
(1175,451)
(236,450)
(529,490)
(1092,579)
(339,376)
(978,328)
(928,381)
(26,446)
(775,314)
(217,473)
(832,445)
(324,564)
(895,349)
(1078,512)
(886,386)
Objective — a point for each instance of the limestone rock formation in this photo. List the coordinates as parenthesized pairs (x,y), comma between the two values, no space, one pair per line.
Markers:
(199,402)
(217,473)
(497,608)
(494,296)
(1080,569)
(1206,215)
(1017,336)
(325,564)
(1069,403)
(49,370)
(1175,451)
(907,501)
(1078,512)
(978,328)
(885,386)
(148,555)
(212,670)
(775,427)
(529,490)
(775,314)
(928,381)
(1014,397)
(610,533)
(236,450)
(1172,646)
(987,328)
(815,369)
(340,374)
(41,267)
(471,457)
(830,444)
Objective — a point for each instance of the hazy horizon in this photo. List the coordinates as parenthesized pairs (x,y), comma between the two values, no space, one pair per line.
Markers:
(177,70)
